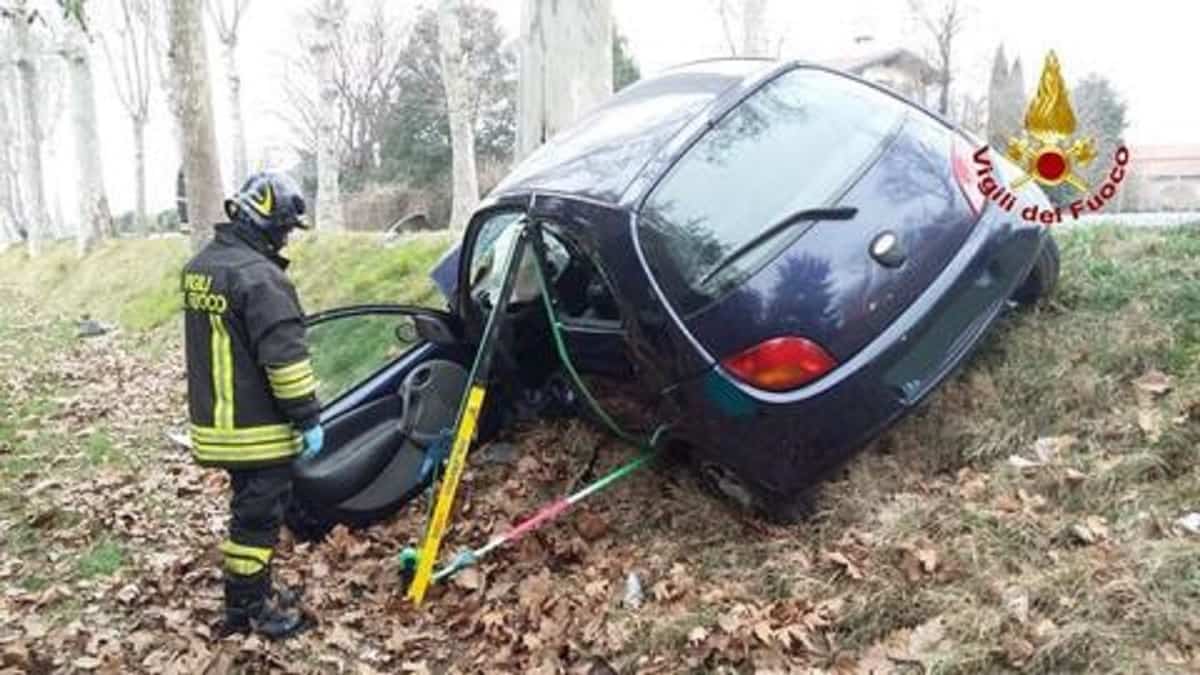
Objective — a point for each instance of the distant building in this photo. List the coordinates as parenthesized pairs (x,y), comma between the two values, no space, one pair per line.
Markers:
(1168,177)
(898,69)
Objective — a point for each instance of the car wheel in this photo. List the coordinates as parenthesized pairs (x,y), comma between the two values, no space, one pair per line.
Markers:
(772,506)
(1042,278)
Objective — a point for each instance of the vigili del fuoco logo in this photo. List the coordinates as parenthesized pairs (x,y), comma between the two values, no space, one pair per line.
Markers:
(1048,152)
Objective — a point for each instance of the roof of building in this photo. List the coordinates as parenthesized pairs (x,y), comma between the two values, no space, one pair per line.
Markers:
(898,57)
(1166,160)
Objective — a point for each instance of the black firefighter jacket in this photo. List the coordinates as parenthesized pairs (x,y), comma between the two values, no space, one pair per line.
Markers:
(251,386)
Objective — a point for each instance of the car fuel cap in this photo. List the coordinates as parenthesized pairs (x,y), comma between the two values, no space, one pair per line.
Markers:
(887,250)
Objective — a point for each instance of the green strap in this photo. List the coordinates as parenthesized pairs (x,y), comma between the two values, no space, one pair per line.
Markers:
(563,355)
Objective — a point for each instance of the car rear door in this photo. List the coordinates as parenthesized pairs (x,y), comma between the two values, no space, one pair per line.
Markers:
(808,139)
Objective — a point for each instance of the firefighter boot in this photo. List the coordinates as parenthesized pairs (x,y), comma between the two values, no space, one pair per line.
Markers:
(250,606)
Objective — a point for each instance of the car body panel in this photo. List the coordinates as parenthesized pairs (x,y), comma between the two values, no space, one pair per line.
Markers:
(786,441)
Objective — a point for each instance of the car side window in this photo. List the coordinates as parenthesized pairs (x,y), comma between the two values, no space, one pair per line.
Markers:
(348,349)
(582,292)
(793,144)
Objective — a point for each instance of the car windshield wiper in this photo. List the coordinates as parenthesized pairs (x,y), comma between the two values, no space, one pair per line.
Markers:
(801,216)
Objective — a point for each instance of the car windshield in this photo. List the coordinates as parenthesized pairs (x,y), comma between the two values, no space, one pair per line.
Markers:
(796,143)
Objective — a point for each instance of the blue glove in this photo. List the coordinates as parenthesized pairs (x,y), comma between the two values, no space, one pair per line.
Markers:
(314,441)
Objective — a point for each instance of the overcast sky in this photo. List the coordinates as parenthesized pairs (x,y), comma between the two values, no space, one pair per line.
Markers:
(1136,45)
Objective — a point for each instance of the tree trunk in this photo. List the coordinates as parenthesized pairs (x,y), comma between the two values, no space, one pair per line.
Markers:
(95,221)
(233,80)
(754,28)
(329,194)
(192,103)
(27,67)
(566,66)
(142,226)
(462,130)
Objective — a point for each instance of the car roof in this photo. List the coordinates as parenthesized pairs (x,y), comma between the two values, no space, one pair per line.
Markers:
(599,157)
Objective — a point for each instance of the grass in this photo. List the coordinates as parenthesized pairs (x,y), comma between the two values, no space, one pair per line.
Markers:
(135,282)
(103,559)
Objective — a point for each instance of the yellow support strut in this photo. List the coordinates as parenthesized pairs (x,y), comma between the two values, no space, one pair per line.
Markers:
(445,498)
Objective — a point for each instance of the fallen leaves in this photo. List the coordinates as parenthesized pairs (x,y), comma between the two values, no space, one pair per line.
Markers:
(1091,530)
(918,560)
(719,595)
(1153,382)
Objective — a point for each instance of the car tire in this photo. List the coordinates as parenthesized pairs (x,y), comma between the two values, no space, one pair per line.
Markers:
(1043,277)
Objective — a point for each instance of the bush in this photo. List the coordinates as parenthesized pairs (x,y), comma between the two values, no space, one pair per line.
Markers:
(376,207)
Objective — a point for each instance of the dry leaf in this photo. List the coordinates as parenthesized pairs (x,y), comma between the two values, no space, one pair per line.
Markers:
(590,526)
(1150,421)
(840,560)
(1016,603)
(1154,382)
(86,663)
(468,579)
(1020,463)
(1017,650)
(697,635)
(1049,448)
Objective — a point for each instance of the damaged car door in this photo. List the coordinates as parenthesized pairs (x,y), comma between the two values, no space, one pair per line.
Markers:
(391,377)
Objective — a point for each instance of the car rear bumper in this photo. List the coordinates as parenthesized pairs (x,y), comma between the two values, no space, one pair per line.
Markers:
(790,440)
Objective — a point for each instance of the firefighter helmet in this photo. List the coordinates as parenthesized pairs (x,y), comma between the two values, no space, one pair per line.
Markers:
(269,200)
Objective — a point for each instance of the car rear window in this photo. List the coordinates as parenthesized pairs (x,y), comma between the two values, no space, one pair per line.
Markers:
(796,143)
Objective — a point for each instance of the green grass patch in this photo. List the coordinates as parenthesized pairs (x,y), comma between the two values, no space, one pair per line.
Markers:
(100,450)
(136,282)
(103,559)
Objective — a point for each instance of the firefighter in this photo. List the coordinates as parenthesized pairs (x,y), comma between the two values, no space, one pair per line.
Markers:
(251,389)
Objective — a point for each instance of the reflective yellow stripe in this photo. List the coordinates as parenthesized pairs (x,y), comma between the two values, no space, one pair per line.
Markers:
(235,451)
(267,432)
(234,455)
(242,567)
(250,444)
(259,553)
(245,560)
(222,370)
(283,374)
(298,389)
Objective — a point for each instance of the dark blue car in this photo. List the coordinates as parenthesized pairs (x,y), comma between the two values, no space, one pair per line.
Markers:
(779,259)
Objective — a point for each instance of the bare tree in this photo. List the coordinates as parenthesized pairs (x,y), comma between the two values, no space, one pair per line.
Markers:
(367,63)
(327,17)
(943,20)
(751,17)
(23,17)
(11,205)
(227,16)
(754,28)
(51,99)
(10,172)
(95,220)
(192,102)
(131,62)
(566,66)
(465,193)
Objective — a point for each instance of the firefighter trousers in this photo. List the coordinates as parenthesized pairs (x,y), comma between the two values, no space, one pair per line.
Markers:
(260,497)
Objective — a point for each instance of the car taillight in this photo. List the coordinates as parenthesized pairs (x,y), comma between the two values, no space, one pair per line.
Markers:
(960,160)
(781,363)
